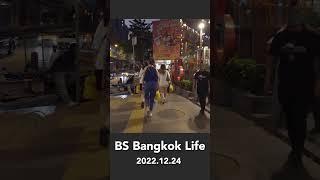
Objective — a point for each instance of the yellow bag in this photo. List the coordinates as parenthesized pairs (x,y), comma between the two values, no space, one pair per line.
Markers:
(171,88)
(158,96)
(90,91)
(138,89)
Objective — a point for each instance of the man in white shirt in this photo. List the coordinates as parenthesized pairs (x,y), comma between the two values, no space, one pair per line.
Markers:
(141,75)
(100,45)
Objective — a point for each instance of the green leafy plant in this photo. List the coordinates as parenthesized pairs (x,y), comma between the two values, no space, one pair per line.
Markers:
(186,85)
(245,74)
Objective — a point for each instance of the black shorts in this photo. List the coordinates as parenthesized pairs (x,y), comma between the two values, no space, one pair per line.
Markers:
(202,94)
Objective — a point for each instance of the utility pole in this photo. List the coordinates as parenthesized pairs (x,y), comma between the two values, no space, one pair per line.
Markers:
(134,42)
(77,63)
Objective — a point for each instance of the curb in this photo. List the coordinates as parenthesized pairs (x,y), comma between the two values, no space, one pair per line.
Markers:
(196,103)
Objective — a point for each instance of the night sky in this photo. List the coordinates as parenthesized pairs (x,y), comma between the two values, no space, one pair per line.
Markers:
(126,21)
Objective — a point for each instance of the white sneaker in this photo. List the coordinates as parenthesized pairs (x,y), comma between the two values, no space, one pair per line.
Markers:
(146,110)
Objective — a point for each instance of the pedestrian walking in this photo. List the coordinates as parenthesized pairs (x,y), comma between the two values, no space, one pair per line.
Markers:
(201,85)
(272,82)
(296,49)
(100,46)
(150,80)
(63,70)
(130,84)
(316,102)
(141,75)
(164,82)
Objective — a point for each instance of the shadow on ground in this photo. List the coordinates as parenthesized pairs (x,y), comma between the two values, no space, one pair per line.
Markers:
(287,172)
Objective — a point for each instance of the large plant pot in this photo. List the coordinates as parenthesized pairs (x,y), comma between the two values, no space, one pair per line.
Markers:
(222,93)
(241,103)
(257,108)
(248,102)
(186,93)
(177,90)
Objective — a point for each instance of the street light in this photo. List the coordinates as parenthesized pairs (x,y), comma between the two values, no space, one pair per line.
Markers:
(116,45)
(201,26)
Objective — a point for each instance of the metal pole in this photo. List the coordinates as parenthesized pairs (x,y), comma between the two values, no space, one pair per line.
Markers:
(25,51)
(200,53)
(43,63)
(77,64)
(134,57)
(201,32)
(239,14)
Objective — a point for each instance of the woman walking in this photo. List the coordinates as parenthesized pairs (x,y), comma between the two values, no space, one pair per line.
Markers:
(150,80)
(164,81)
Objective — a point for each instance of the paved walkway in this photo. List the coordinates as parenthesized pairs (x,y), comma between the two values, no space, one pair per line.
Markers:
(178,115)
(244,151)
(65,146)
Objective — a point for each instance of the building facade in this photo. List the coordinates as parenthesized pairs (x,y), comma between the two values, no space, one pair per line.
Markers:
(256,21)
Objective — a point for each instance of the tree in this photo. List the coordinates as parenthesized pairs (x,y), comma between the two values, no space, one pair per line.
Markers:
(142,31)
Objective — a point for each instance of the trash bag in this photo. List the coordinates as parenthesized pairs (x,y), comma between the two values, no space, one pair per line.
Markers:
(90,91)
(158,96)
(171,88)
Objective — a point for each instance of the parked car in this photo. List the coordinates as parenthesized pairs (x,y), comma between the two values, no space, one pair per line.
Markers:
(7,45)
(49,48)
(46,49)
(65,41)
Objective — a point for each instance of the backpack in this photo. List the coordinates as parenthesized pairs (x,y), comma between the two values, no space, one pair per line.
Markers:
(150,73)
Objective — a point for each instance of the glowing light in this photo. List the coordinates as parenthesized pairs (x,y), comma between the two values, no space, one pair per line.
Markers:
(201,25)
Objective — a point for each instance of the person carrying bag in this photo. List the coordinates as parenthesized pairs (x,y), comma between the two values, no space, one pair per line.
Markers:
(164,82)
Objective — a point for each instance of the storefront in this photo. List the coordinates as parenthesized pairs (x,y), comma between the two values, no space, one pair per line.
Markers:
(167,63)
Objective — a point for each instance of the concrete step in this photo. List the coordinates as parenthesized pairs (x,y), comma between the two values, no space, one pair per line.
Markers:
(312,146)
(44,100)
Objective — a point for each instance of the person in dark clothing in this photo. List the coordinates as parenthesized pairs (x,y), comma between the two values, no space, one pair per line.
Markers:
(129,84)
(316,116)
(64,68)
(201,85)
(150,80)
(296,49)
(316,102)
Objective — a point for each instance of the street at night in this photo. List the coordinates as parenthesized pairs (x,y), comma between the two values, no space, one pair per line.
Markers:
(50,122)
(177,50)
(82,86)
(257,90)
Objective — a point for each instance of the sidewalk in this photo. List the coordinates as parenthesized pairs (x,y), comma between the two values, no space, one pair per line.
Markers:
(312,145)
(65,146)
(244,151)
(178,115)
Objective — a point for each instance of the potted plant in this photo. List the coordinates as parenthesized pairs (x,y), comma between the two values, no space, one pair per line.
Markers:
(221,87)
(186,87)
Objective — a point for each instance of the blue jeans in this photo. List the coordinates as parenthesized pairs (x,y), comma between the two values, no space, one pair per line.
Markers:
(150,93)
